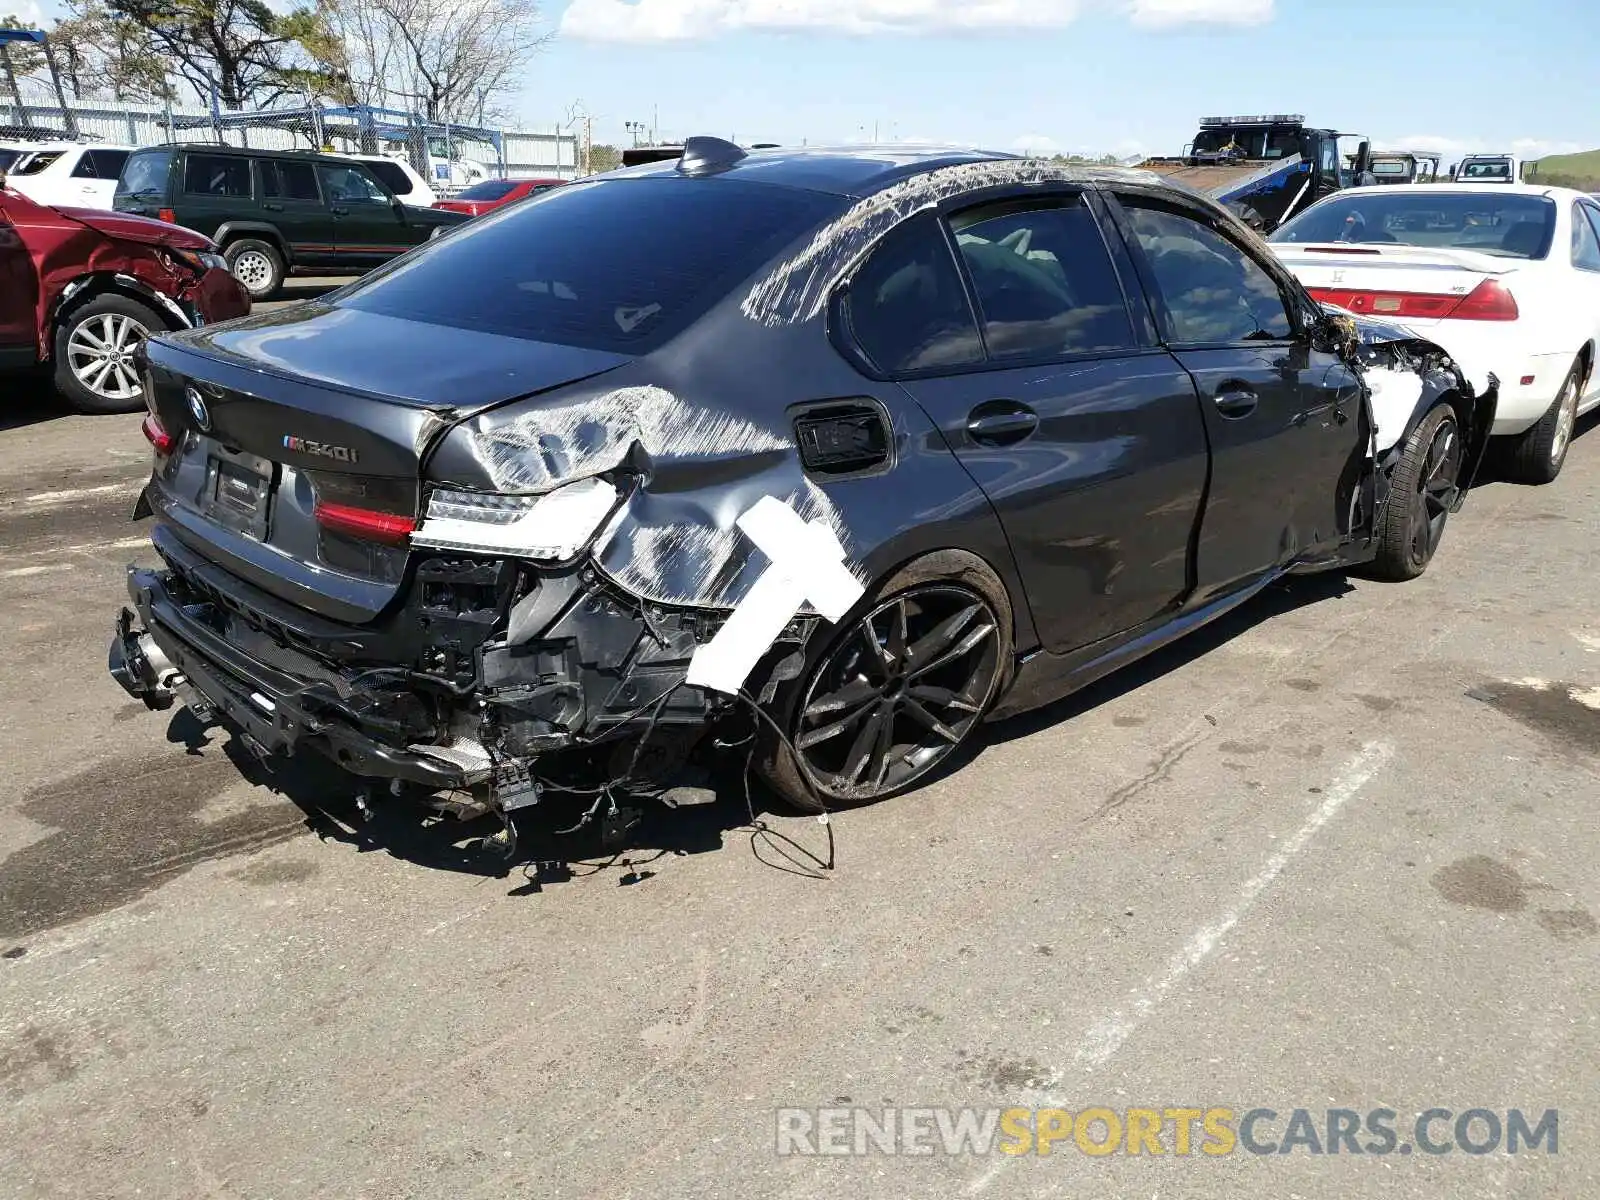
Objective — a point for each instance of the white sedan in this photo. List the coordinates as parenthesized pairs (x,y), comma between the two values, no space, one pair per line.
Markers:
(1506,277)
(66,174)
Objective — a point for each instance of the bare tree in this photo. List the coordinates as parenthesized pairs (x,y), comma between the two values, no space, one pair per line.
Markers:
(448,60)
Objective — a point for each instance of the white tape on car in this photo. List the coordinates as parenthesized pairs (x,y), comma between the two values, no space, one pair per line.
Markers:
(806,563)
(1394,398)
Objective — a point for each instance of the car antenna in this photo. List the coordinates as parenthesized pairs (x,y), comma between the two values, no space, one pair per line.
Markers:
(704,155)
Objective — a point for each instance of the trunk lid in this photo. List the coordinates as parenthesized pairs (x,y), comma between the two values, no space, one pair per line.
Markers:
(298,463)
(1336,271)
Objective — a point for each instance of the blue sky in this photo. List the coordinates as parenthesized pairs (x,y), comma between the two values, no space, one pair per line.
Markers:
(1118,76)
(1103,76)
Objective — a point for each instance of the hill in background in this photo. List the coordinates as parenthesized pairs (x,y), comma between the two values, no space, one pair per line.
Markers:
(1581,171)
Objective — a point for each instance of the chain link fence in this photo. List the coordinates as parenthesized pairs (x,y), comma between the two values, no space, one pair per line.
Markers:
(450,157)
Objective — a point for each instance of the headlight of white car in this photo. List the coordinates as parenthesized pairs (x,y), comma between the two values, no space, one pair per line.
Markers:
(554,526)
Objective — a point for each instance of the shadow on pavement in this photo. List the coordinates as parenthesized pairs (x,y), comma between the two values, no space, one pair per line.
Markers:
(30,400)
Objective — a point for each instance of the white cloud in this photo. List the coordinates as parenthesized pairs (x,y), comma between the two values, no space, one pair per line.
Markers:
(1036,144)
(669,20)
(1455,147)
(28,12)
(1163,14)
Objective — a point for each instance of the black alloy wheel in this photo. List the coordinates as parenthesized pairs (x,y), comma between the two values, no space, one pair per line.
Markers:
(898,692)
(1422,492)
(1436,491)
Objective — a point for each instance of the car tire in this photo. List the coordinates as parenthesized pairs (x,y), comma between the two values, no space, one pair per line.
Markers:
(922,599)
(95,369)
(1422,492)
(256,264)
(1537,455)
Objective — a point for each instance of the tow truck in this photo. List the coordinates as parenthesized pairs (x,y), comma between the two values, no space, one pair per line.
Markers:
(1266,168)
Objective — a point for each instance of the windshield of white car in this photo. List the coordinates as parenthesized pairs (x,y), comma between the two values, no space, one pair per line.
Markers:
(1517,226)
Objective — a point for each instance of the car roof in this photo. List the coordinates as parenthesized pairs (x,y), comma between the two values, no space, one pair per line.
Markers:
(855,170)
(245,152)
(1458,187)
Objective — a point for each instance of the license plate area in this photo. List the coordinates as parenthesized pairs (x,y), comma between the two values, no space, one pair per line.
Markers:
(238,491)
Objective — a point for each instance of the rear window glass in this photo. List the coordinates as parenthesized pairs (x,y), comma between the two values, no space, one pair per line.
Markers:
(145,174)
(615,265)
(489,189)
(1514,226)
(216,175)
(391,176)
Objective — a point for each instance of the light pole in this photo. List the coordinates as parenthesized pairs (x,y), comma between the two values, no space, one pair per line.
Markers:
(635,128)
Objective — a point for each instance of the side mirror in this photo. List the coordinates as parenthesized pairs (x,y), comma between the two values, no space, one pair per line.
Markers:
(1363,163)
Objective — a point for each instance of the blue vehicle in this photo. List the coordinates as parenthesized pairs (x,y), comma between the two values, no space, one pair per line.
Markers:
(1267,169)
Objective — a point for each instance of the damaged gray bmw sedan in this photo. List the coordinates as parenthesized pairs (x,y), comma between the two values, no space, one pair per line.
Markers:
(834,454)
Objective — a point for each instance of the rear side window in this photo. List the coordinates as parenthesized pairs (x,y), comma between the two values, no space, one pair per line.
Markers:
(289,180)
(85,168)
(1043,280)
(610,265)
(145,174)
(1585,245)
(906,307)
(36,162)
(216,175)
(1213,291)
(392,177)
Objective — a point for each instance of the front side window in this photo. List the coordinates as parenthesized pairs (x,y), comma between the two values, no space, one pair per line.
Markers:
(1043,280)
(216,175)
(1213,291)
(350,185)
(1585,245)
(906,307)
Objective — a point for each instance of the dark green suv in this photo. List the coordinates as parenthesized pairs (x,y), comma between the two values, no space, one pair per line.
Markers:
(276,211)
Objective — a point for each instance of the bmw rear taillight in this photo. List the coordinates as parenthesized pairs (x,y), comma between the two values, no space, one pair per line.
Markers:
(156,434)
(366,523)
(363,507)
(1489,301)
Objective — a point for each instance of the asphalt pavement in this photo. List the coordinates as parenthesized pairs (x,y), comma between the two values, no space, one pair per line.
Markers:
(1334,852)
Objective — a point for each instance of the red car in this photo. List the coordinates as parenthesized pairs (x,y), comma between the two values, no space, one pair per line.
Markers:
(81,288)
(495,193)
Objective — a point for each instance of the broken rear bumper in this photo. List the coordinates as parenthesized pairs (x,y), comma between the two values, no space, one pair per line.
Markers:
(177,655)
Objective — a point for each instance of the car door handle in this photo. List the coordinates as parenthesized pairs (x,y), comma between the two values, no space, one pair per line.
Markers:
(340,212)
(273,207)
(1001,423)
(1236,401)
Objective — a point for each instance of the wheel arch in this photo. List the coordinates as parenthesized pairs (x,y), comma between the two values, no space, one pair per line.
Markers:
(89,287)
(233,231)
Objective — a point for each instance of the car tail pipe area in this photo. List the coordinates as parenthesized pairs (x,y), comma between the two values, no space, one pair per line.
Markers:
(141,666)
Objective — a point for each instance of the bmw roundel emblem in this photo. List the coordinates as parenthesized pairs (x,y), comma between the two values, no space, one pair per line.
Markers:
(198,410)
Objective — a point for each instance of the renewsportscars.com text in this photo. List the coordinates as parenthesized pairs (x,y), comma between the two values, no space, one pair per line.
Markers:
(1212,1132)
